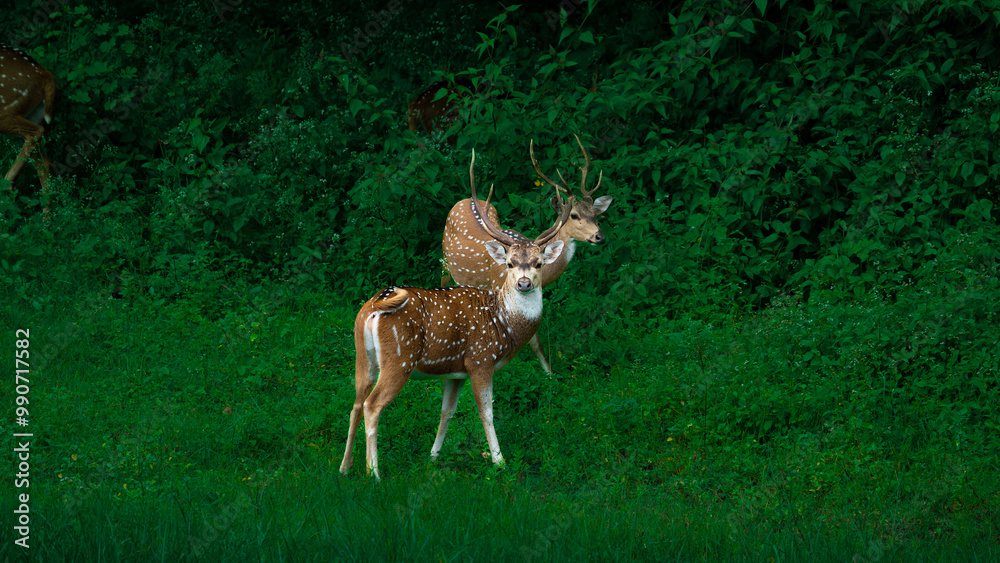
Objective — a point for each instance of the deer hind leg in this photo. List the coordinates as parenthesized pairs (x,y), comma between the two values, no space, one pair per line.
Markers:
(365,373)
(482,388)
(365,380)
(391,379)
(536,346)
(31,132)
(449,402)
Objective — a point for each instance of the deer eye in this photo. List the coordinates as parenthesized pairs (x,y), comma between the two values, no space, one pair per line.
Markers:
(510,264)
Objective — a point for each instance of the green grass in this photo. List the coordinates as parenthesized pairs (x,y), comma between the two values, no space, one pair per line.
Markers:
(166,433)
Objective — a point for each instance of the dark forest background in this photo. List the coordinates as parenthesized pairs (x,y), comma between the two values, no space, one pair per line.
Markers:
(799,295)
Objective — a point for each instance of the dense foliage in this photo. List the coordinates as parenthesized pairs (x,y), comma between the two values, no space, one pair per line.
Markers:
(803,257)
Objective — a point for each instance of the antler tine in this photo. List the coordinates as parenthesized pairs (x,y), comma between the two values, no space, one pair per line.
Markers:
(599,178)
(550,233)
(584,170)
(531,149)
(500,236)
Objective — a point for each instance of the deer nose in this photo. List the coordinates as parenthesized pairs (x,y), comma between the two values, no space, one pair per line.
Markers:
(524,284)
(597,238)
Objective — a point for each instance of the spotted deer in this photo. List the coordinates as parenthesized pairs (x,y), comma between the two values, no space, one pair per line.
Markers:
(453,333)
(432,113)
(27,98)
(464,235)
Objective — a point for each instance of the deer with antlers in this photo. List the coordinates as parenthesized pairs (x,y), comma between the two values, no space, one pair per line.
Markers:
(465,233)
(453,333)
(27,99)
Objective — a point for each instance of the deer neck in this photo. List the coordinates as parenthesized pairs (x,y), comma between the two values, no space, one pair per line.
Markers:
(521,306)
(551,272)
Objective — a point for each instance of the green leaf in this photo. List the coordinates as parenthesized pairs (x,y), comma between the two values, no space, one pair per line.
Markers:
(354,106)
(714,48)
(967,169)
(761,5)
(512,32)
(587,37)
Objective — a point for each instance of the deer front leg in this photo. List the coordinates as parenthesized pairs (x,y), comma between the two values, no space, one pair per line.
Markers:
(482,387)
(537,347)
(449,402)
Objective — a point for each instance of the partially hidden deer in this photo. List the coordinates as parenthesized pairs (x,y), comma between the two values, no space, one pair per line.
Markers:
(432,111)
(453,333)
(464,234)
(436,108)
(27,103)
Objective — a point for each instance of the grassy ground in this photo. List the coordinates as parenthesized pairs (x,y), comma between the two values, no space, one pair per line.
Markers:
(175,431)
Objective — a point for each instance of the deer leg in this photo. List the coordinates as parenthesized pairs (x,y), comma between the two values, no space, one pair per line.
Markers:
(22,157)
(31,132)
(365,373)
(537,347)
(482,388)
(449,402)
(390,381)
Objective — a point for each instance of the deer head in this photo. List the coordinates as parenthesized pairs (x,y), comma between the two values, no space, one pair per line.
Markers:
(582,218)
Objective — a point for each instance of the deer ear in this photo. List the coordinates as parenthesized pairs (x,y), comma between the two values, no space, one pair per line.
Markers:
(555,204)
(601,204)
(552,251)
(497,251)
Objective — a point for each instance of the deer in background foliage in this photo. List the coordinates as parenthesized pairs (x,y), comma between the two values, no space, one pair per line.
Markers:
(453,333)
(437,114)
(27,98)
(465,234)
(432,111)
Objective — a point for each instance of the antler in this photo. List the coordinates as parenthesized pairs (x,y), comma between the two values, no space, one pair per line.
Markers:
(550,233)
(584,170)
(500,236)
(531,149)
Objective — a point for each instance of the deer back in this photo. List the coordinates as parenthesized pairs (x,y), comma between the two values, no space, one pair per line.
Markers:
(445,330)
